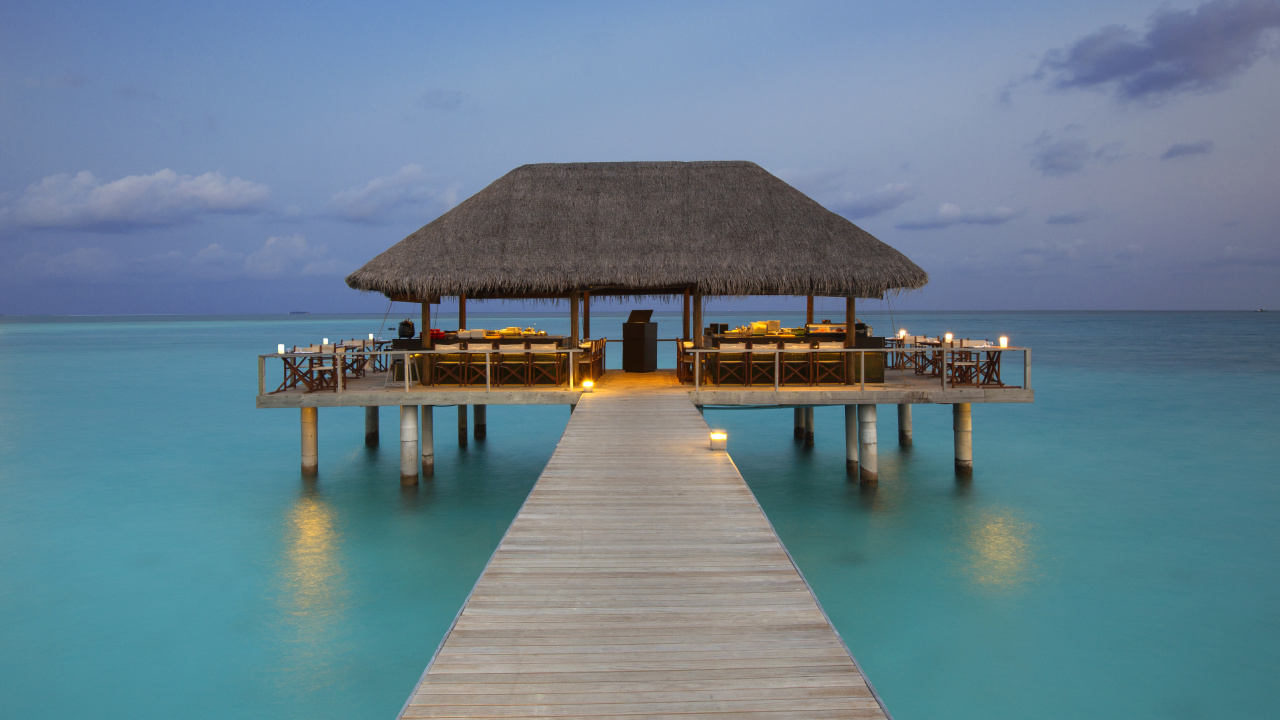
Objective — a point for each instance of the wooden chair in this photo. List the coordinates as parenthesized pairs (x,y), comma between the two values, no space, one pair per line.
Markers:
(762,365)
(478,367)
(796,367)
(449,367)
(512,364)
(730,364)
(545,364)
(829,366)
(684,361)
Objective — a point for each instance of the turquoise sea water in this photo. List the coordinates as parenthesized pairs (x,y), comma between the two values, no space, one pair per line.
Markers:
(1116,555)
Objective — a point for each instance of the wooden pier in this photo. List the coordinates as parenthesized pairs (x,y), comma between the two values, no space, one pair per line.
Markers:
(641,579)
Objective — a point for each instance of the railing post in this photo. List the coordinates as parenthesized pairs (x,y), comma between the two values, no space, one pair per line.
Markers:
(339,369)
(862,373)
(1026,368)
(262,374)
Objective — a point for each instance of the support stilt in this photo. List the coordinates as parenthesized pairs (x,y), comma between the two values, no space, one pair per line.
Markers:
(482,425)
(575,299)
(462,426)
(962,423)
(808,427)
(851,441)
(428,441)
(798,433)
(462,312)
(869,465)
(408,444)
(586,315)
(697,320)
(371,426)
(904,425)
(310,441)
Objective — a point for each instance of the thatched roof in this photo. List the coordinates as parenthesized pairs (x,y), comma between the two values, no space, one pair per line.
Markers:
(628,228)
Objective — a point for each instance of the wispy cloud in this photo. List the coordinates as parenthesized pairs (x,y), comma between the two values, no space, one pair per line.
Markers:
(949,214)
(883,200)
(1182,51)
(1066,152)
(1070,218)
(290,254)
(1178,150)
(83,202)
(372,202)
(442,99)
(86,263)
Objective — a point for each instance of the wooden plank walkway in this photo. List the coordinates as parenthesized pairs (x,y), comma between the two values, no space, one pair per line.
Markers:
(641,579)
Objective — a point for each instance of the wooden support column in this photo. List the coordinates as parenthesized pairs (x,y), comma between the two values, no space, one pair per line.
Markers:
(869,465)
(808,427)
(408,444)
(697,319)
(808,310)
(482,424)
(428,441)
(462,311)
(371,426)
(904,425)
(686,334)
(310,441)
(426,322)
(851,441)
(462,426)
(574,337)
(586,315)
(962,424)
(850,319)
(798,432)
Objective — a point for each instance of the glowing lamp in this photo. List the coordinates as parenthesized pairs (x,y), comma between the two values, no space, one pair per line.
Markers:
(587,385)
(947,337)
(326,340)
(902,333)
(280,349)
(370,336)
(718,439)
(1004,341)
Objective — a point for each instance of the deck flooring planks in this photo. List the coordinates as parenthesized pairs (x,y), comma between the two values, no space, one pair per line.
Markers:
(641,579)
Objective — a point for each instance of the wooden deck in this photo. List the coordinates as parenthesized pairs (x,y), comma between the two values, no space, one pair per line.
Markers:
(641,579)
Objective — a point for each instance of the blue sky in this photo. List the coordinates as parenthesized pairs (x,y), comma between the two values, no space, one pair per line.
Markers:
(243,157)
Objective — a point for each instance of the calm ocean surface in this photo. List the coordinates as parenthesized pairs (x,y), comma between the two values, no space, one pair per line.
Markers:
(1116,555)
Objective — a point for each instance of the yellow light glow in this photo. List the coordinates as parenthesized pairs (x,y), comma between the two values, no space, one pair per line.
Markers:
(1000,546)
(718,439)
(947,337)
(902,333)
(587,385)
(1004,341)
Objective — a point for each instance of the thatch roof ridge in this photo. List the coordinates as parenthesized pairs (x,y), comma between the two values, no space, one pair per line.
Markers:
(722,228)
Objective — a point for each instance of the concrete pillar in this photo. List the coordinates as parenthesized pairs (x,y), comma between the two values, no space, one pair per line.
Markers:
(798,433)
(371,426)
(851,440)
(482,426)
(869,467)
(962,423)
(904,425)
(408,444)
(310,441)
(462,426)
(428,441)
(808,427)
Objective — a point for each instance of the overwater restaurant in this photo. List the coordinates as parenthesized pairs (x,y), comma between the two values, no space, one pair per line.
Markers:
(672,230)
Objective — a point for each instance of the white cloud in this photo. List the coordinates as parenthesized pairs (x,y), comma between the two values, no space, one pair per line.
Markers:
(372,202)
(84,202)
(949,214)
(215,254)
(289,254)
(886,198)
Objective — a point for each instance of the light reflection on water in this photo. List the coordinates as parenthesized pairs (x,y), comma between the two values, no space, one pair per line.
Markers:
(313,594)
(999,549)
